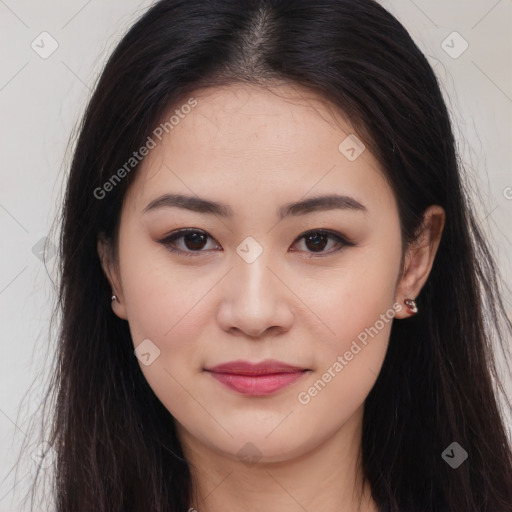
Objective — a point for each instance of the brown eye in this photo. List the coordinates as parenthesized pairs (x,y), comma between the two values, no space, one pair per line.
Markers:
(317,241)
(189,242)
(194,241)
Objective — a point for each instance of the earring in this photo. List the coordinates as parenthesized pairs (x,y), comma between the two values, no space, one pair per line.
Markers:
(411,306)
(113,298)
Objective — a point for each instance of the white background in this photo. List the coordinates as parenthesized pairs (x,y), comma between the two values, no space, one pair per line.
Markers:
(41,101)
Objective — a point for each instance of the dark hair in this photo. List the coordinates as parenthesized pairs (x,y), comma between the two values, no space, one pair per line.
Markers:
(116,446)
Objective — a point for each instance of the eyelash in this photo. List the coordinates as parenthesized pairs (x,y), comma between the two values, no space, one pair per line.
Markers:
(337,237)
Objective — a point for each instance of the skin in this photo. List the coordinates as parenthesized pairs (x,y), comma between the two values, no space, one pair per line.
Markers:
(256,149)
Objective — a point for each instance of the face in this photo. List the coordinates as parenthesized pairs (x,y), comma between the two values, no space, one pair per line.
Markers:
(271,274)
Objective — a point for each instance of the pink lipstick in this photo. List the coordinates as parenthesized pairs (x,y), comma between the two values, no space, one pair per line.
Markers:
(256,379)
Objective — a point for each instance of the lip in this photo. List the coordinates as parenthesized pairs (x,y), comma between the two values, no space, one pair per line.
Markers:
(256,379)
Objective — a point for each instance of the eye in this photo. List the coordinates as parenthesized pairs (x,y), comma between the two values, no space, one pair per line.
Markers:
(317,240)
(193,241)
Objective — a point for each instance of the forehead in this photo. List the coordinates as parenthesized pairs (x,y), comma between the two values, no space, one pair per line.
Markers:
(251,143)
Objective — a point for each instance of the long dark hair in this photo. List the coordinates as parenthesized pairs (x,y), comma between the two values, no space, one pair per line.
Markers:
(116,446)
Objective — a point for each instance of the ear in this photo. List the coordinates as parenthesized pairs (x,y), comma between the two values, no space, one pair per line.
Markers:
(111,270)
(419,257)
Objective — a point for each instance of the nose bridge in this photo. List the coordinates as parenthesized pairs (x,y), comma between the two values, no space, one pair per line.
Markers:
(255,300)
(253,279)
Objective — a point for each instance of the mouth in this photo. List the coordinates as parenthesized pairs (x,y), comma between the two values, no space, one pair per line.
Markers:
(258,379)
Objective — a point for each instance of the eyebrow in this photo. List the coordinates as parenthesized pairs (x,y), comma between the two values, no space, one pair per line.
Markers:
(303,207)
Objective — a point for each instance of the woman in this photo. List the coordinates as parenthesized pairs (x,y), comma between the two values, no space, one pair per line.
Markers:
(275,294)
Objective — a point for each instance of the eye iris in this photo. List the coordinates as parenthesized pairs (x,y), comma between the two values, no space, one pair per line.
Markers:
(194,241)
(319,242)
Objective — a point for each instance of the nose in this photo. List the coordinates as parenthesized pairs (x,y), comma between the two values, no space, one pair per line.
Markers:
(255,301)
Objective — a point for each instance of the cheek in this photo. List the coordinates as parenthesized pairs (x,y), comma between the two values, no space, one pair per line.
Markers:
(159,295)
(168,312)
(357,306)
(168,305)
(352,297)
(340,386)
(348,361)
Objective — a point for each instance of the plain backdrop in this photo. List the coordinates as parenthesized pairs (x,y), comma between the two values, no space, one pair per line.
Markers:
(43,96)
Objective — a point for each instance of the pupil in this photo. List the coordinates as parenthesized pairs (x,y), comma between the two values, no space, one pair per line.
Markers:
(317,245)
(194,241)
